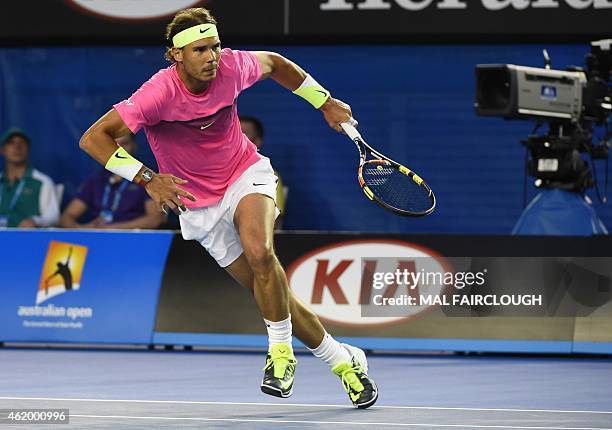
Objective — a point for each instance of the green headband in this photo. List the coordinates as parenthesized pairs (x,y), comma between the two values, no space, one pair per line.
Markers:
(191,34)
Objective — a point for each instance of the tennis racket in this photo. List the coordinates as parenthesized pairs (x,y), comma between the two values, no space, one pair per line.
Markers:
(388,183)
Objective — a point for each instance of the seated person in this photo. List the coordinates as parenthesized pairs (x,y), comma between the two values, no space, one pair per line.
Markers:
(114,201)
(27,196)
(253,129)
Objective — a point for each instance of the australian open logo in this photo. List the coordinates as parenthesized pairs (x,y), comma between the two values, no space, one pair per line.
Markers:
(61,271)
(61,274)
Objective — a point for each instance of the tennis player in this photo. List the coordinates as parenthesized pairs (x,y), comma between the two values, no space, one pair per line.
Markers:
(222,188)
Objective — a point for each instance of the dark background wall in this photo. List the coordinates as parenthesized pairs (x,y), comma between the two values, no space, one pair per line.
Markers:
(414,103)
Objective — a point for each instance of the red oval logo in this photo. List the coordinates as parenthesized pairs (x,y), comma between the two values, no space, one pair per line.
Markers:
(342,282)
(133,9)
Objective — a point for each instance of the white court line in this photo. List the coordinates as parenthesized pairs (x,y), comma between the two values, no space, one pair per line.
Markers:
(351,423)
(194,402)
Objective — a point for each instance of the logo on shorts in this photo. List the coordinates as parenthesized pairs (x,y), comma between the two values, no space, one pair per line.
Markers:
(257,185)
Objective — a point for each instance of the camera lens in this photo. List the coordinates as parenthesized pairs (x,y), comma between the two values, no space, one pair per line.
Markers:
(494,89)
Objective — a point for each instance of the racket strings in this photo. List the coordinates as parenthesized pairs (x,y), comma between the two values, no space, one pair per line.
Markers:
(397,189)
(377,175)
(379,171)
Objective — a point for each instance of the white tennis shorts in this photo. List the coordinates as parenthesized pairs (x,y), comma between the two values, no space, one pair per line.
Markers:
(213,226)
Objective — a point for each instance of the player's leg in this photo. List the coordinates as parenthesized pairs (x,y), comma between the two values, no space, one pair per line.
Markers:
(344,359)
(254,219)
(305,324)
(253,212)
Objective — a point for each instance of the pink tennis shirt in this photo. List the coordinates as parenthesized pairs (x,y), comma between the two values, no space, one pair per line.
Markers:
(197,137)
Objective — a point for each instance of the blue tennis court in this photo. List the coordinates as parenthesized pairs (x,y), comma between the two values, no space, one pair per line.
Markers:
(140,389)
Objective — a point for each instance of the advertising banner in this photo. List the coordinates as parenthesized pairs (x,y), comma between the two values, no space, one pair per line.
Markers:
(77,286)
(129,22)
(243,21)
(490,18)
(436,290)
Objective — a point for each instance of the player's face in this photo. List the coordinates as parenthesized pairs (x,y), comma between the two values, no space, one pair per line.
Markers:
(201,58)
(16,150)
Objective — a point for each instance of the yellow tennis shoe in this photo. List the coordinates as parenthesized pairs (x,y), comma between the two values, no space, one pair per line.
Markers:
(362,389)
(279,371)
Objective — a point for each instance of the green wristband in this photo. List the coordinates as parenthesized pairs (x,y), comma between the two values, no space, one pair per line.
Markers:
(312,92)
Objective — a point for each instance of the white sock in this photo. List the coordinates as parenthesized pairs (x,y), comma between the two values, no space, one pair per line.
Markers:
(331,352)
(279,331)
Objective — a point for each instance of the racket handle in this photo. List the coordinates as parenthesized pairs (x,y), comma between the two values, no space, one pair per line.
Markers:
(350,130)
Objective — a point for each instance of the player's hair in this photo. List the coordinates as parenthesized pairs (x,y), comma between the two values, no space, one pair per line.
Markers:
(183,20)
(259,129)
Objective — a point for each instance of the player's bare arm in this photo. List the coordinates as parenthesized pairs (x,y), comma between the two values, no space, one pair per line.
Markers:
(99,142)
(291,76)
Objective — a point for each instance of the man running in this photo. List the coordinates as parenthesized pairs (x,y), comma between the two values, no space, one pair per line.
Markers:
(222,188)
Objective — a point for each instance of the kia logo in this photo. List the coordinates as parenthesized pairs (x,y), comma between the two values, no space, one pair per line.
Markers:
(336,281)
(133,9)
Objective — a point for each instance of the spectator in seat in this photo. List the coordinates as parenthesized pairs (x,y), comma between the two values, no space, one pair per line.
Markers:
(27,196)
(112,201)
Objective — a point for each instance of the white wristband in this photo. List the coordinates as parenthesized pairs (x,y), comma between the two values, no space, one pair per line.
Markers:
(123,164)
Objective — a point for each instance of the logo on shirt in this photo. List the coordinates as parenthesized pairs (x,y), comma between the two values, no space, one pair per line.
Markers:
(204,127)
